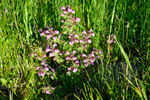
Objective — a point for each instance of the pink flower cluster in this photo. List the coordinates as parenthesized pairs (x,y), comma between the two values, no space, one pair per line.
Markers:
(66,47)
(111,39)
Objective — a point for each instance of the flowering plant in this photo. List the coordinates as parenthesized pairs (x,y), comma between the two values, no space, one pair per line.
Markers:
(66,49)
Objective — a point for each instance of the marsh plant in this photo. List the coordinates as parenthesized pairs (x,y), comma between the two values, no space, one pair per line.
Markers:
(66,49)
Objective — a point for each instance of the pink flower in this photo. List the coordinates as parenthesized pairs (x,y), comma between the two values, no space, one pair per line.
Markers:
(76,40)
(31,55)
(45,65)
(77,61)
(107,41)
(100,52)
(67,52)
(85,60)
(61,53)
(67,58)
(42,63)
(65,12)
(91,63)
(73,11)
(51,29)
(59,36)
(54,38)
(62,20)
(52,77)
(97,56)
(41,34)
(92,54)
(62,8)
(68,72)
(94,48)
(47,27)
(92,34)
(69,10)
(54,58)
(76,36)
(77,19)
(53,70)
(40,73)
(71,42)
(83,32)
(46,31)
(54,45)
(51,54)
(81,41)
(43,56)
(83,55)
(111,41)
(47,50)
(85,45)
(56,31)
(56,50)
(5,10)
(48,73)
(74,58)
(92,59)
(69,68)
(48,36)
(89,40)
(63,15)
(48,92)
(35,53)
(67,6)
(74,51)
(46,68)
(37,68)
(93,51)
(52,88)
(86,64)
(77,64)
(91,30)
(40,30)
(75,70)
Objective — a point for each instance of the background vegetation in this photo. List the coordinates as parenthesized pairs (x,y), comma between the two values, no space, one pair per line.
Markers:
(119,76)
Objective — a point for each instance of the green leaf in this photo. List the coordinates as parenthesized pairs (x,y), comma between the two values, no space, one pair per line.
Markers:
(4,82)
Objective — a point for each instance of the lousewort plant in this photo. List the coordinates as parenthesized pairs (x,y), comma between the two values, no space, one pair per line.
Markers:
(66,49)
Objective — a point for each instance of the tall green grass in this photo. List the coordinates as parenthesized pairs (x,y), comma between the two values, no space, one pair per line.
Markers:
(128,20)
